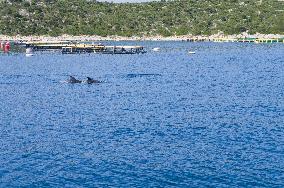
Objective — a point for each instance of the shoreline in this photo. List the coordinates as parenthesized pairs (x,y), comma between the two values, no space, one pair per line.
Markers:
(136,38)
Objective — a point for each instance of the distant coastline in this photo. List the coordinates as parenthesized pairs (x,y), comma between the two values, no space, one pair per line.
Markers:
(135,38)
(165,18)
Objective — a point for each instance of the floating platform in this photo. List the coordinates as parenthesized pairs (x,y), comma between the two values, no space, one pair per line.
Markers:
(249,40)
(103,49)
(271,40)
(75,48)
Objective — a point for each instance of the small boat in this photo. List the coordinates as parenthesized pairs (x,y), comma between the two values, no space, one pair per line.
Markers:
(29,52)
(191,52)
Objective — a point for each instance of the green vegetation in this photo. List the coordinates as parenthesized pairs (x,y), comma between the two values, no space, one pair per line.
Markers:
(179,17)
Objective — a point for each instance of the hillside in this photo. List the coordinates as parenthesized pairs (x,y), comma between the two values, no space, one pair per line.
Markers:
(166,18)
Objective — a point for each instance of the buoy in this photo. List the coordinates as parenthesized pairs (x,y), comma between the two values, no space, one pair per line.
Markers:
(156,49)
(7,47)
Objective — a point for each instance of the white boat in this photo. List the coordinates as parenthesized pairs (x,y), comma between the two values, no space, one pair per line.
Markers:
(29,52)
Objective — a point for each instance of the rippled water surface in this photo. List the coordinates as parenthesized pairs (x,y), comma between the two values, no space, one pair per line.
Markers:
(160,119)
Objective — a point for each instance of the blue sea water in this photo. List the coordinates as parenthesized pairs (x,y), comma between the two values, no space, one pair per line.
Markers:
(161,119)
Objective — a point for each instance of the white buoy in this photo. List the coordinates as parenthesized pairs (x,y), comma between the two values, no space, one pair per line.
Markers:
(29,52)
(156,49)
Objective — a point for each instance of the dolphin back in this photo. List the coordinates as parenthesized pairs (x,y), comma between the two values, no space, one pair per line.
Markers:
(91,80)
(72,79)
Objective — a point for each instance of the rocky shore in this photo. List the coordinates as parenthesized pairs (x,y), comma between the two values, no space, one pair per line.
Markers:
(136,38)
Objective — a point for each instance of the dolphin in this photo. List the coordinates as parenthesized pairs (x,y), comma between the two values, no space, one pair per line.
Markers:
(91,81)
(73,80)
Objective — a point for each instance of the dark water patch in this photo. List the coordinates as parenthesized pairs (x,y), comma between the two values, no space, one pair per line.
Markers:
(14,83)
(135,75)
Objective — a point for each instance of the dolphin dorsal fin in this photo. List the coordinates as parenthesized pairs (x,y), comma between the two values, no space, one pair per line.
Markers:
(72,78)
